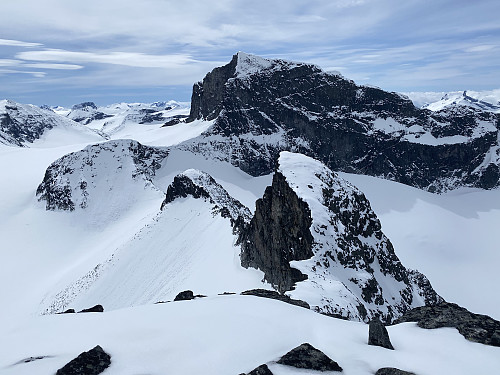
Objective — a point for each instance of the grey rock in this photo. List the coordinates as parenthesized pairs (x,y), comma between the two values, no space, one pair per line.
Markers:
(275,295)
(184,296)
(308,357)
(392,371)
(281,221)
(378,335)
(92,362)
(96,308)
(261,370)
(474,327)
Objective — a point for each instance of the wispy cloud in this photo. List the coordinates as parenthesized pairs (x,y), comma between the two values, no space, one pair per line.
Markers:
(116,58)
(18,43)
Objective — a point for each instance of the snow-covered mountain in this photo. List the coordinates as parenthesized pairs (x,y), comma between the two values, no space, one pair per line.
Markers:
(116,119)
(28,125)
(130,223)
(275,105)
(435,101)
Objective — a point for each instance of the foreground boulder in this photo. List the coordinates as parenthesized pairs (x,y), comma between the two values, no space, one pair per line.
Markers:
(392,371)
(184,296)
(474,327)
(308,357)
(92,362)
(378,335)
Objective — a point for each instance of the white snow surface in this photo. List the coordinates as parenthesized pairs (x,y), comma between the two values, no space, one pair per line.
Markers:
(248,65)
(135,259)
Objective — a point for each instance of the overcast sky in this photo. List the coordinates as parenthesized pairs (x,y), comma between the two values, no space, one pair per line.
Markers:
(68,51)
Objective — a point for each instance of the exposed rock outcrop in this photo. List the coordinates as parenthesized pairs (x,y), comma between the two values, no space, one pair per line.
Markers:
(184,296)
(275,295)
(262,107)
(308,357)
(278,233)
(378,335)
(261,370)
(474,327)
(96,308)
(93,362)
(392,371)
(198,184)
(315,232)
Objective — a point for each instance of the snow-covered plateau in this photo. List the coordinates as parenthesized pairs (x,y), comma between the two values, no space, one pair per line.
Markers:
(123,206)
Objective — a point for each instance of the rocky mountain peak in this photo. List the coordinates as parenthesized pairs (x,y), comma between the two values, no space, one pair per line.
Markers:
(263,106)
(315,235)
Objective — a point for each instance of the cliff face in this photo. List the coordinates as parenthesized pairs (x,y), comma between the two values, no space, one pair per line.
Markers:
(277,234)
(265,106)
(315,236)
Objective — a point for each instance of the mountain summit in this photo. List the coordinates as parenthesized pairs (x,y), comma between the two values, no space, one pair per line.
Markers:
(263,106)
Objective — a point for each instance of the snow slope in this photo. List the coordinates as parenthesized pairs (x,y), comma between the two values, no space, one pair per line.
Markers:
(231,335)
(435,101)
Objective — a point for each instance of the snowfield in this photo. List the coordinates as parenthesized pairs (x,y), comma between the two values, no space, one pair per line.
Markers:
(52,260)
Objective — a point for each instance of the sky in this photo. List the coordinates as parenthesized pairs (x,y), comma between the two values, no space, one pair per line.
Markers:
(63,52)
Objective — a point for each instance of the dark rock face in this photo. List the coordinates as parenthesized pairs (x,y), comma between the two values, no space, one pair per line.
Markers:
(378,335)
(198,184)
(184,296)
(392,371)
(261,370)
(92,362)
(357,129)
(474,327)
(96,308)
(278,233)
(308,357)
(84,106)
(275,295)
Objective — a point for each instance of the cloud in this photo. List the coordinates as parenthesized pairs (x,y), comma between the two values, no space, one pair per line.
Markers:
(17,43)
(116,58)
(54,66)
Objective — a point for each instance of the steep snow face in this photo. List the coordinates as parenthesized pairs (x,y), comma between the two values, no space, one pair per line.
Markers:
(354,271)
(28,125)
(102,178)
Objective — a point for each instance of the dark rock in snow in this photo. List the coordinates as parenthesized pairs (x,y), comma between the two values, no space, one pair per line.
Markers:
(262,107)
(474,327)
(261,370)
(198,184)
(68,311)
(278,233)
(308,357)
(84,105)
(392,371)
(92,362)
(184,296)
(275,295)
(96,308)
(378,335)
